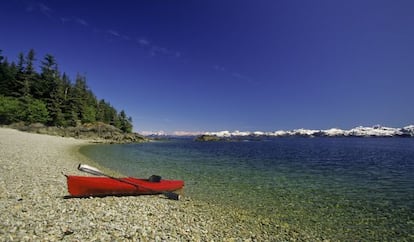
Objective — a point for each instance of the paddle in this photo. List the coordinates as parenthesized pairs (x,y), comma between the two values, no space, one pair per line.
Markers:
(94,171)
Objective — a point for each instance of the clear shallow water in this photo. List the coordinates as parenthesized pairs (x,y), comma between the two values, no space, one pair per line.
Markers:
(339,188)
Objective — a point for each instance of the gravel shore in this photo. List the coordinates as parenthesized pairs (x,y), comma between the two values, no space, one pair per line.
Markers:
(33,208)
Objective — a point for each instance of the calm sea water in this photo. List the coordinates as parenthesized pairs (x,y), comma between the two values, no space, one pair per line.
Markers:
(342,188)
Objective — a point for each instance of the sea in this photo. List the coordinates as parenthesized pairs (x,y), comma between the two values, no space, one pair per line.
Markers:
(342,188)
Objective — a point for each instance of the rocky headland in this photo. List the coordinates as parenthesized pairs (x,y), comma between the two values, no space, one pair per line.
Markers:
(97,132)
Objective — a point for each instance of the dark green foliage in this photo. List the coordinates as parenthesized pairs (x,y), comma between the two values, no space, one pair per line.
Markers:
(125,122)
(49,97)
(24,109)
(8,74)
(35,111)
(11,110)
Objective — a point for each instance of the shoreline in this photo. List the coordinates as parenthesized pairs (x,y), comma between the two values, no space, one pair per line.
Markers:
(32,204)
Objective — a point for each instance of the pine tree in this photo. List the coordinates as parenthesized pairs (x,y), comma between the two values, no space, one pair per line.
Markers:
(84,102)
(125,123)
(66,102)
(1,56)
(25,74)
(100,111)
(30,74)
(52,90)
(17,86)
(8,74)
(4,74)
(30,59)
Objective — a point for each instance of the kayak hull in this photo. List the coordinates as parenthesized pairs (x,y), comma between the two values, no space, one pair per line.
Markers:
(85,186)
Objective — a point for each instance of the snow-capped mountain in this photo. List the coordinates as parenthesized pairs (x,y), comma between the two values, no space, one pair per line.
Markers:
(375,131)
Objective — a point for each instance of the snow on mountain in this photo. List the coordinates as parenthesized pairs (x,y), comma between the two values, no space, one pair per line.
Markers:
(186,133)
(408,130)
(375,131)
(279,133)
(334,132)
(153,133)
(223,133)
(304,132)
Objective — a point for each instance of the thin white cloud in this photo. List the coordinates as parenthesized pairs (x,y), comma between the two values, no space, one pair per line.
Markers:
(126,37)
(113,33)
(244,78)
(81,21)
(44,9)
(65,20)
(76,20)
(143,42)
(219,68)
(117,34)
(236,75)
(30,8)
(156,50)
(39,7)
(239,76)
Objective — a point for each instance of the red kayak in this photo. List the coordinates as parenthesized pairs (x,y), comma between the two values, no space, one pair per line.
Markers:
(84,186)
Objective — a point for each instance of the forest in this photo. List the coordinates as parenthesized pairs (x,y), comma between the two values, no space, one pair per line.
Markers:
(49,96)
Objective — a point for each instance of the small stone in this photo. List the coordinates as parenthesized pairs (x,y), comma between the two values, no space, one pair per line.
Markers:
(68,232)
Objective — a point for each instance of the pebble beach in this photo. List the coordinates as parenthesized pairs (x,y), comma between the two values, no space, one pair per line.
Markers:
(33,206)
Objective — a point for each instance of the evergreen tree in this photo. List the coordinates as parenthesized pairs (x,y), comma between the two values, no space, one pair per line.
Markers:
(78,96)
(91,107)
(66,102)
(17,86)
(43,85)
(100,111)
(53,90)
(20,62)
(111,115)
(1,56)
(30,75)
(4,70)
(24,76)
(30,59)
(56,103)
(125,123)
(8,74)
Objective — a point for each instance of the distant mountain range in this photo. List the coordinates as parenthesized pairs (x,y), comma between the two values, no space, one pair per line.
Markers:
(375,131)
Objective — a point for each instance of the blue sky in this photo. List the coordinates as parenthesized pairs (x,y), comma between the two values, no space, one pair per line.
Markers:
(230,65)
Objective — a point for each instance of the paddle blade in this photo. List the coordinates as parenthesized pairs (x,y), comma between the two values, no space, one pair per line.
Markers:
(90,169)
(172,196)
